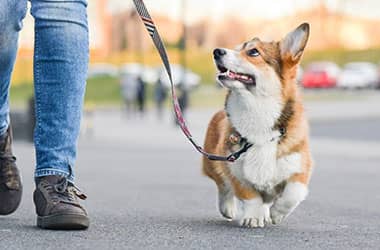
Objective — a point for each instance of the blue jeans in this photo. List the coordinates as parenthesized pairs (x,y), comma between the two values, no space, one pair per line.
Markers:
(60,69)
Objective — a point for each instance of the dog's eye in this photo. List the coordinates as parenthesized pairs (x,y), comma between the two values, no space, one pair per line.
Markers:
(253,52)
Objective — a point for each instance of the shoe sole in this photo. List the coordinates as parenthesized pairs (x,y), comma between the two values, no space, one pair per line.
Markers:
(63,222)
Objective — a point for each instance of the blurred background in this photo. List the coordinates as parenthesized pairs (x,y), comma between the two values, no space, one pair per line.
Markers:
(343,52)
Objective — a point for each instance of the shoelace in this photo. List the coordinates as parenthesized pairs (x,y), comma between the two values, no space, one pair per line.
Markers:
(64,191)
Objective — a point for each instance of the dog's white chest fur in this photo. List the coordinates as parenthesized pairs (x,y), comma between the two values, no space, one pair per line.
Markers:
(254,119)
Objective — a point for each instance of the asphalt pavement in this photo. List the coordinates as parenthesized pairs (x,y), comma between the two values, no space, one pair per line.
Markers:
(146,190)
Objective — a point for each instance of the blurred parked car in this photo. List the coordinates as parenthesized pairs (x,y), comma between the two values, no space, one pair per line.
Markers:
(359,75)
(320,75)
(300,73)
(180,75)
(102,69)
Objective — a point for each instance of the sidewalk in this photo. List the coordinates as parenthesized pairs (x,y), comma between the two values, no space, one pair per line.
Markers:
(135,129)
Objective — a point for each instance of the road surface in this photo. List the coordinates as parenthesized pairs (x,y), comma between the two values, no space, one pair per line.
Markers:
(146,191)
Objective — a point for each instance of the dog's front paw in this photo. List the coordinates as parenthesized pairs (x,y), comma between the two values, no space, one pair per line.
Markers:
(255,214)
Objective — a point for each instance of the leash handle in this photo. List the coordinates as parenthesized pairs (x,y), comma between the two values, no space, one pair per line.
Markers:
(152,30)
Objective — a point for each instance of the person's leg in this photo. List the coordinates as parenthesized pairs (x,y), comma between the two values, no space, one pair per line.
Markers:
(60,69)
(11,14)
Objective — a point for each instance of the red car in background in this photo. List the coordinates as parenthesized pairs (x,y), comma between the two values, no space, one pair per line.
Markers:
(320,75)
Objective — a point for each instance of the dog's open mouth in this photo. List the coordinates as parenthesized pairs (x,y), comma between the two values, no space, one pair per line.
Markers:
(226,74)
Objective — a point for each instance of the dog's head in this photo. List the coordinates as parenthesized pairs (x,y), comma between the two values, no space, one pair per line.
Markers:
(262,68)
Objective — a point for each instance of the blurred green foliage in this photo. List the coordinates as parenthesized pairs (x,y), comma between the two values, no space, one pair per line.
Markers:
(103,90)
(20,93)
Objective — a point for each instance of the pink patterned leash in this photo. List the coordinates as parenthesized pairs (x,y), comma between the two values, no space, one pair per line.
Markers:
(150,26)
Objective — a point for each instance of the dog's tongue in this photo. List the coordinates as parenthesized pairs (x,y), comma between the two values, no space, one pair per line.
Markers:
(232,74)
(236,76)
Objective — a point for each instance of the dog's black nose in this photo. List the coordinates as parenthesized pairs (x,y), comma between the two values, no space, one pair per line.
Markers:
(218,53)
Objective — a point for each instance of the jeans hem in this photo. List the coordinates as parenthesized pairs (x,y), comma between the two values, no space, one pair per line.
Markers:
(50,171)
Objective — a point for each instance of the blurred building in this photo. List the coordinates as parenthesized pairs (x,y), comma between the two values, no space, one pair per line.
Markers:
(100,24)
(115,31)
(128,32)
(100,27)
(328,30)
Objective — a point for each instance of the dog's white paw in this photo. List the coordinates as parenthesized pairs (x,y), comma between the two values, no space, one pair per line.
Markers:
(255,214)
(227,206)
(292,196)
(277,216)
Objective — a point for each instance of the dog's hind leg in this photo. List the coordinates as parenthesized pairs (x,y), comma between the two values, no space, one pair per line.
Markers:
(226,198)
(227,202)
(218,171)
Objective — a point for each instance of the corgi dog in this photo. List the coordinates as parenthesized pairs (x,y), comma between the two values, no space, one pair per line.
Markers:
(264,108)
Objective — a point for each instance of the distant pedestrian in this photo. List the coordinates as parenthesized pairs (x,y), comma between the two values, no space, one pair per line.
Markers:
(141,95)
(129,85)
(183,99)
(160,94)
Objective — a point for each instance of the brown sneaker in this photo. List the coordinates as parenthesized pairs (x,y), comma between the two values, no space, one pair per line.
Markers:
(10,181)
(57,204)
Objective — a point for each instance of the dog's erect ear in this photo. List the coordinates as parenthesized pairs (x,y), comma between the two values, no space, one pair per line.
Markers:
(294,43)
